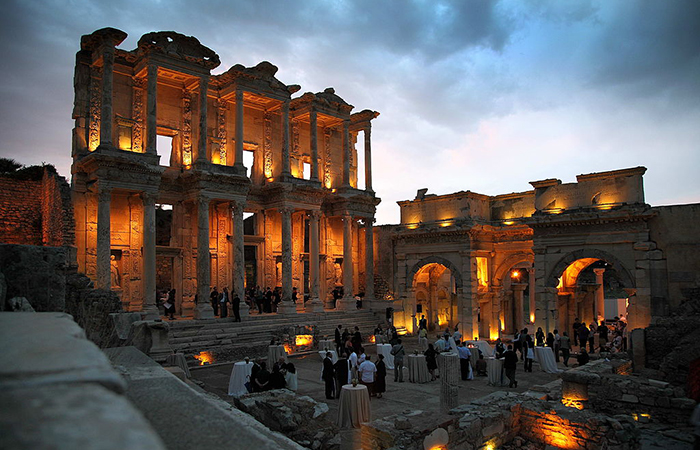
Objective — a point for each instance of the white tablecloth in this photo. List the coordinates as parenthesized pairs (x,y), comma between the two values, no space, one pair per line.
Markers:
(494,368)
(240,374)
(326,344)
(417,369)
(484,346)
(291,379)
(334,355)
(353,407)
(385,349)
(545,357)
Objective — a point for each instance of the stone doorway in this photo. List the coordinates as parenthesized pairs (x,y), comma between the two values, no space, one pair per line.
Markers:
(435,296)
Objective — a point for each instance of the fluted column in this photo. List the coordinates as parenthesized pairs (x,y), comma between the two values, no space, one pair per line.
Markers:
(238,257)
(150,310)
(286,307)
(202,146)
(203,309)
(369,261)
(151,102)
(238,163)
(346,152)
(348,302)
(599,294)
(448,363)
(314,261)
(104,197)
(531,282)
(107,113)
(518,291)
(313,131)
(368,158)
(286,171)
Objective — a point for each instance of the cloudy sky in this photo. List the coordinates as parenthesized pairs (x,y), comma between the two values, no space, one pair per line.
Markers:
(474,95)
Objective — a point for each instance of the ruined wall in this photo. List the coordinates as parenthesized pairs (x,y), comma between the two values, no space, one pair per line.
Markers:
(674,230)
(433,208)
(510,206)
(21,211)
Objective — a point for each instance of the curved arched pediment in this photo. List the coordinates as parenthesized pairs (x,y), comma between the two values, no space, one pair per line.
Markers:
(581,259)
(437,260)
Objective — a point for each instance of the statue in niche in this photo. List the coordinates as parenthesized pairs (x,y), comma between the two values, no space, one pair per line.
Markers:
(278,272)
(115,277)
(338,274)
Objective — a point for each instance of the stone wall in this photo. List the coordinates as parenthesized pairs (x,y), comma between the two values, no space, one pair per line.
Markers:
(499,419)
(38,210)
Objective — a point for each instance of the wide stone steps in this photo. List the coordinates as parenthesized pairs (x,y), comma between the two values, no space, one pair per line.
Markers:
(194,336)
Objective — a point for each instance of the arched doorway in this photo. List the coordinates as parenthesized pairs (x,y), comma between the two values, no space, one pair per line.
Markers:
(517,309)
(591,286)
(435,295)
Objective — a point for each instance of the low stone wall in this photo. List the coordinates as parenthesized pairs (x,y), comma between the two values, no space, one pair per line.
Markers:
(600,388)
(498,419)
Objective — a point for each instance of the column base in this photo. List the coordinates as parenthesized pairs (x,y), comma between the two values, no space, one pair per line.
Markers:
(150,312)
(243,310)
(346,304)
(204,311)
(314,305)
(286,308)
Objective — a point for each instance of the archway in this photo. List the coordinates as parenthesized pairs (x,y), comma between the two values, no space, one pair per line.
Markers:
(592,285)
(515,287)
(435,295)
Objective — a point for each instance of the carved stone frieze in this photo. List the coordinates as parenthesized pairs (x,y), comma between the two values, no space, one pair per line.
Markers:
(267,145)
(95,107)
(221,129)
(137,115)
(186,127)
(327,160)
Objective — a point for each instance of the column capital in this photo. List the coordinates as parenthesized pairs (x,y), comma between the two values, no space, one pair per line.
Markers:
(368,221)
(286,210)
(315,214)
(237,206)
(104,193)
(599,271)
(203,200)
(149,197)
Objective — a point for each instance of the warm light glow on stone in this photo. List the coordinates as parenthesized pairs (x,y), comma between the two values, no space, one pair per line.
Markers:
(412,226)
(288,349)
(303,339)
(532,317)
(509,222)
(572,403)
(204,358)
(482,273)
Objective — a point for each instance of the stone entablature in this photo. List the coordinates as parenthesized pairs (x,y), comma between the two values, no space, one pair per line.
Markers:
(303,174)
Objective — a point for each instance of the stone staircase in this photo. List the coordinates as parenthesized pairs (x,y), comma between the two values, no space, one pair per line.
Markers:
(193,336)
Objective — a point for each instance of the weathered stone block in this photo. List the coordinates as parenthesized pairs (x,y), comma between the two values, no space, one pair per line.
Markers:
(630,398)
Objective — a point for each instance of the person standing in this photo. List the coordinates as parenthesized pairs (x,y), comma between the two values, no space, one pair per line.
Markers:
(342,373)
(565,348)
(236,307)
(583,333)
(328,376)
(530,355)
(353,363)
(422,323)
(423,339)
(214,298)
(464,356)
(510,363)
(539,337)
(223,303)
(603,336)
(380,380)
(431,360)
(398,352)
(368,372)
(499,349)
(557,345)
(518,344)
(457,335)
(338,340)
(592,332)
(357,340)
(577,325)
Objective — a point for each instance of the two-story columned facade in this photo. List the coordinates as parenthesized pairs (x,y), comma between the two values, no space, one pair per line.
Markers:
(187,180)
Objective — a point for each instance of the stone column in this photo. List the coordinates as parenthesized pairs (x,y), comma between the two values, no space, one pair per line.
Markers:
(286,307)
(238,163)
(448,363)
(151,97)
(285,140)
(531,281)
(203,309)
(518,291)
(238,257)
(150,310)
(202,145)
(348,301)
(104,243)
(313,132)
(314,261)
(346,152)
(599,293)
(107,113)
(369,263)
(368,158)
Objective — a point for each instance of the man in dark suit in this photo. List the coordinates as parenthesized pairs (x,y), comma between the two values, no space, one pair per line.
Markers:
(510,364)
(341,373)
(339,340)
(328,376)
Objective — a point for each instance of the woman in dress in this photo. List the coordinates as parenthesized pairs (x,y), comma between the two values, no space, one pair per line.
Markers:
(431,360)
(539,337)
(380,381)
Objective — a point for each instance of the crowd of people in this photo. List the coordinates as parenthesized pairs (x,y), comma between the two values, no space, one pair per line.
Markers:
(264,379)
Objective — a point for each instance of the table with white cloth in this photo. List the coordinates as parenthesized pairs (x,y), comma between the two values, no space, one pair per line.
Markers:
(494,369)
(353,407)
(326,344)
(484,346)
(545,357)
(275,352)
(385,349)
(291,380)
(417,369)
(334,355)
(240,375)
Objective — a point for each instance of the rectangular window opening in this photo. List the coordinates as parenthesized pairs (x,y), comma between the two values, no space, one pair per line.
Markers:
(361,184)
(164,149)
(306,174)
(249,160)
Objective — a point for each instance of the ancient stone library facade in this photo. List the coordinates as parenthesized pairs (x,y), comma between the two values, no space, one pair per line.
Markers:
(541,258)
(187,180)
